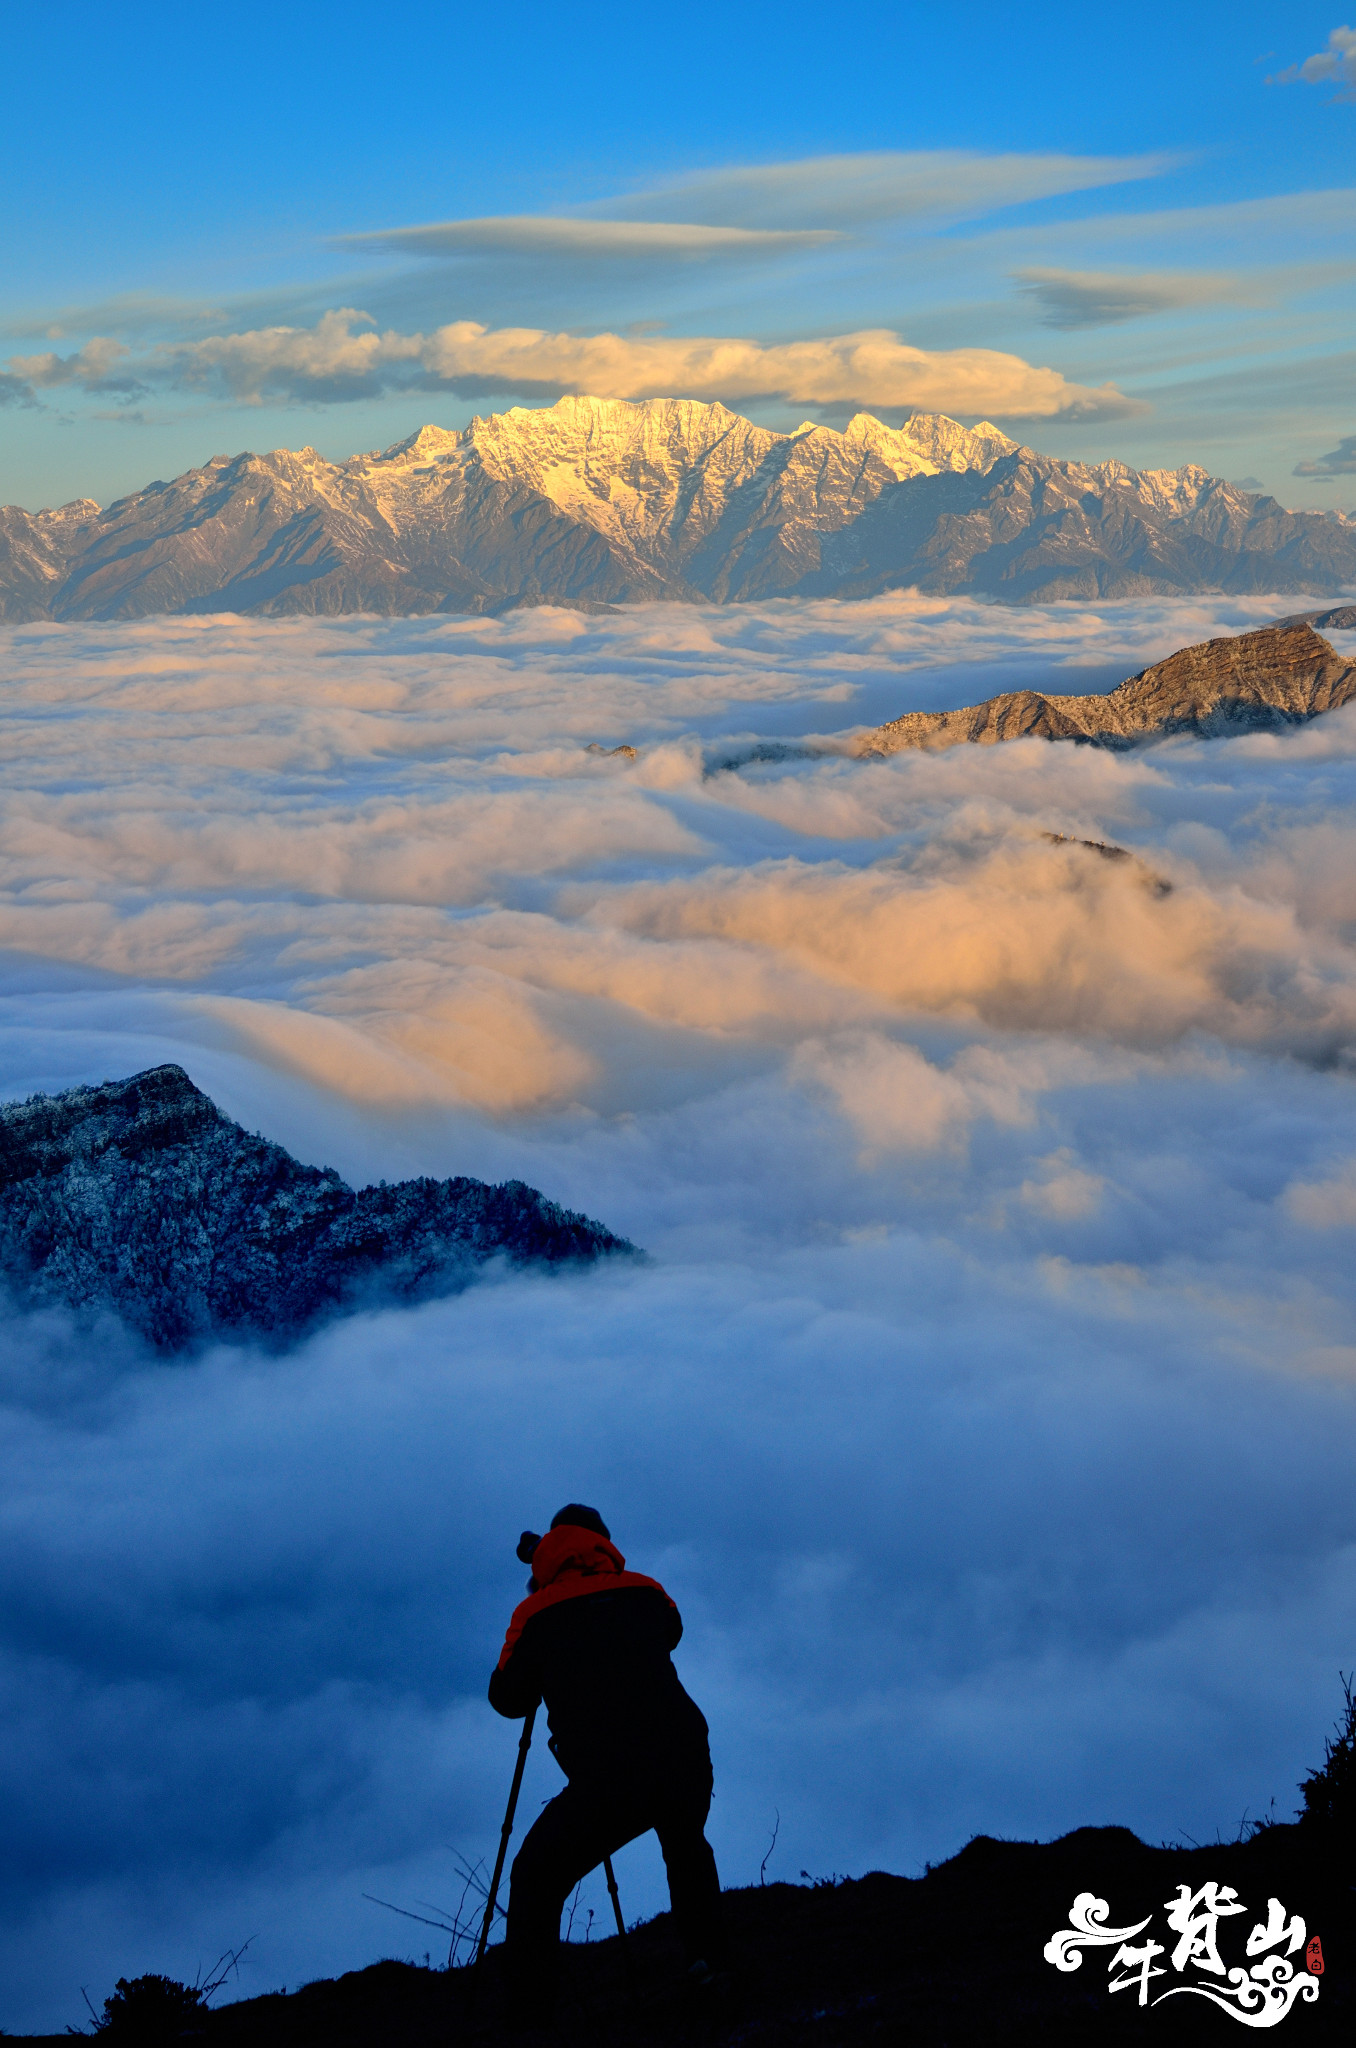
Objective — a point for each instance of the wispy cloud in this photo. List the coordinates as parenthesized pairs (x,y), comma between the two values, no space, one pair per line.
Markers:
(1334,65)
(332,361)
(869,188)
(595,240)
(1282,223)
(1341,461)
(770,209)
(123,314)
(1098,298)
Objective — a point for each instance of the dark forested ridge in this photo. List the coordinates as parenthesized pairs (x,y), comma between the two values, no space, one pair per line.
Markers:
(140,1197)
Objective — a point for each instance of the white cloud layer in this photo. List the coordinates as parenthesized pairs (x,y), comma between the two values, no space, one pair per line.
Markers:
(341,358)
(990,1399)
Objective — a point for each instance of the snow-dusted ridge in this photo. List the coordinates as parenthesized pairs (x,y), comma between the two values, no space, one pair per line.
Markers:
(601,501)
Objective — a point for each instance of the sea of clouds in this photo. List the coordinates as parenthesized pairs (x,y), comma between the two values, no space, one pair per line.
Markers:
(988,1401)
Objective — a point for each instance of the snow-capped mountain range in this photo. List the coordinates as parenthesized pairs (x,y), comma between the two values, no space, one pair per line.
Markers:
(599,501)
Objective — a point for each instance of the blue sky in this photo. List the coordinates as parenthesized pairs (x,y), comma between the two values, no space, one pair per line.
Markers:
(1123,199)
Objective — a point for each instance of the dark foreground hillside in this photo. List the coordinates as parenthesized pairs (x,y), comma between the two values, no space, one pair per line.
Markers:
(954,1957)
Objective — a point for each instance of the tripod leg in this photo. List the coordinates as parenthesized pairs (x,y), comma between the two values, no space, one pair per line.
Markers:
(616,1901)
(628,1957)
(524,1744)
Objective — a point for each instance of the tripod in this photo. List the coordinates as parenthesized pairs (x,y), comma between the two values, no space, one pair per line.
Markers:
(524,1744)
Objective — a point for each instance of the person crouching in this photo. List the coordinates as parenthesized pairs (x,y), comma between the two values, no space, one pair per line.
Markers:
(593,1641)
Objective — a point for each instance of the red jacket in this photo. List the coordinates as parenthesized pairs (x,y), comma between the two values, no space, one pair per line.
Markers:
(592,1640)
(565,1564)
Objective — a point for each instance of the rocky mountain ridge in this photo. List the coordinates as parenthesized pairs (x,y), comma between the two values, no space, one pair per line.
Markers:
(140,1198)
(1279,676)
(1338,618)
(602,501)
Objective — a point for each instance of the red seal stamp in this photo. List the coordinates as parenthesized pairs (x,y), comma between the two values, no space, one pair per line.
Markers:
(1313,1957)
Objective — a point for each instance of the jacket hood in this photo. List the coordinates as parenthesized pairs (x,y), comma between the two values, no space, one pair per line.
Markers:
(567,1563)
(569,1552)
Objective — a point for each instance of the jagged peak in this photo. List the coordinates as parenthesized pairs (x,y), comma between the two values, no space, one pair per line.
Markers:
(951,446)
(578,409)
(74,508)
(425,442)
(891,444)
(142,1198)
(43,1132)
(931,441)
(248,458)
(292,467)
(587,435)
(1262,681)
(169,1080)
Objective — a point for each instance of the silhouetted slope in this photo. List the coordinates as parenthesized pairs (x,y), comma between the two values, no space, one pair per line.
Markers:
(141,1197)
(1252,682)
(943,1961)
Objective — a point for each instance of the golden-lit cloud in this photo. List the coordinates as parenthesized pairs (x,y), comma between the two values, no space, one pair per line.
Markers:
(344,357)
(1028,936)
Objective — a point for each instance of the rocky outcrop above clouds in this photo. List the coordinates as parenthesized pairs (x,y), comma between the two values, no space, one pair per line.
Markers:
(140,1198)
(1337,618)
(1255,682)
(593,502)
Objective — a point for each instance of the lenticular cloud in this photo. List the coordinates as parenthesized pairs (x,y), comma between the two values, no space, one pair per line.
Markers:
(987,1400)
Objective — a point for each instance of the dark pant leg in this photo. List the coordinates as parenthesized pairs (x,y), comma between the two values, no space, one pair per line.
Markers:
(694,1885)
(570,1838)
